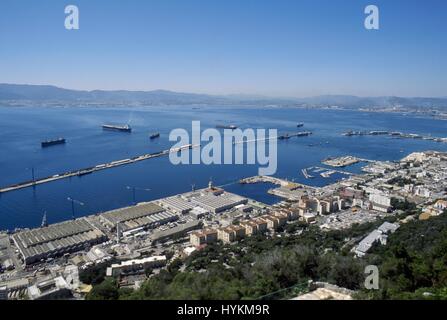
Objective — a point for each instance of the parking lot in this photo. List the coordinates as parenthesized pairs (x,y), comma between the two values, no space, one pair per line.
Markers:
(346,218)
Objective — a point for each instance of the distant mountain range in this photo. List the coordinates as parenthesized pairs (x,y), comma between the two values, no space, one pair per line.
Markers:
(41,94)
(52,93)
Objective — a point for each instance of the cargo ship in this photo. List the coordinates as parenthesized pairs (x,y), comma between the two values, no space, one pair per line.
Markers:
(125,128)
(222,126)
(50,143)
(303,134)
(154,135)
(284,137)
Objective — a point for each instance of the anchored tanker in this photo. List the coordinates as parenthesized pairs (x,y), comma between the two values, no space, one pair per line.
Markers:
(50,143)
(125,128)
(154,135)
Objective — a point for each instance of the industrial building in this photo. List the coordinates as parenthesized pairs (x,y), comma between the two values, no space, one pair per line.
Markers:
(177,231)
(218,203)
(145,215)
(49,242)
(177,204)
(198,212)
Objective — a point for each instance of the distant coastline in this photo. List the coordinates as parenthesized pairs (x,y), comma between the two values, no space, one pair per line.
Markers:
(18,95)
(423,113)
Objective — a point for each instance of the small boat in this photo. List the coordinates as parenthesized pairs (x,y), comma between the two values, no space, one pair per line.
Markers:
(299,125)
(154,135)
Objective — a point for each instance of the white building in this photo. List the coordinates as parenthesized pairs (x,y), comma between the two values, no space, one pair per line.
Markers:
(379,235)
(380,202)
(3,293)
(422,191)
(135,265)
(409,188)
(54,288)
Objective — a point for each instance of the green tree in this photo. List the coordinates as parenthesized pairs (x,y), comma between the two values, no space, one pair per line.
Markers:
(106,290)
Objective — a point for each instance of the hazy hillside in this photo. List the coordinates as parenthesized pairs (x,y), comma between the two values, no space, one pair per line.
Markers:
(44,93)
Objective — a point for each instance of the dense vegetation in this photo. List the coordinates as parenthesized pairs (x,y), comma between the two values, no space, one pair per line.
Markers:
(255,267)
(96,273)
(405,206)
(413,262)
(400,181)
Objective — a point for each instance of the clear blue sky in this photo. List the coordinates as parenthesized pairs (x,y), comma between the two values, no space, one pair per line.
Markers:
(274,47)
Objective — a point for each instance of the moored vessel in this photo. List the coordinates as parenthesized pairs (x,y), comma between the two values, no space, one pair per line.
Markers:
(154,135)
(122,128)
(54,142)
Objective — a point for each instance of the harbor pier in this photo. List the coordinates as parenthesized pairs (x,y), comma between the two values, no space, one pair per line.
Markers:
(90,170)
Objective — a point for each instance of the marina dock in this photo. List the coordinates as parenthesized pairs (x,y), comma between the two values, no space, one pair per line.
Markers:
(343,161)
(394,134)
(266,179)
(85,171)
(306,174)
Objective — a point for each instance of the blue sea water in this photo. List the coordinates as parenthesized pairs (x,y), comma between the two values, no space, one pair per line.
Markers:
(23,128)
